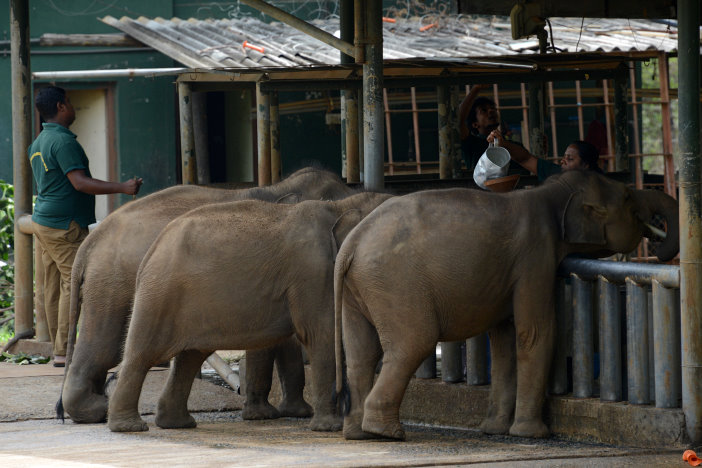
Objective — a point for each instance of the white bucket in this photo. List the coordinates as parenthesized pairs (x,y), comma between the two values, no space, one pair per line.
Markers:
(492,164)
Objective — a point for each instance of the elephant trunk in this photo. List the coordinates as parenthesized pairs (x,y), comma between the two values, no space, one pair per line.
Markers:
(653,202)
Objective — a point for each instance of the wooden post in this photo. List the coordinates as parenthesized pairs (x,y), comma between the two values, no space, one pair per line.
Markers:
(187,139)
(22,171)
(200,136)
(263,119)
(350,123)
(276,164)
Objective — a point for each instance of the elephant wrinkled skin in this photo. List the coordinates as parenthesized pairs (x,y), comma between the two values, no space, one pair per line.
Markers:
(446,265)
(239,275)
(102,289)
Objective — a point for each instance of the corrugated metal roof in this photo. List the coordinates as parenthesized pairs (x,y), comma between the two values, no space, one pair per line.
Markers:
(251,43)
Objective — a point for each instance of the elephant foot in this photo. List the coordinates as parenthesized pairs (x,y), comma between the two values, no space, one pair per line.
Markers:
(295,409)
(530,428)
(89,410)
(169,421)
(353,431)
(495,425)
(134,424)
(326,423)
(262,410)
(384,428)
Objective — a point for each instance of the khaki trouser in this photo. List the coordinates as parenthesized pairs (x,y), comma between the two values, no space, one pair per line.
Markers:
(58,249)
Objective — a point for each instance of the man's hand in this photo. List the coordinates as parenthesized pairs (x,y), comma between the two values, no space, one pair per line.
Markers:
(132,186)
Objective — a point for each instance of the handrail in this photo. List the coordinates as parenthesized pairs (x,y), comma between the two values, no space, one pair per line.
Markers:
(618,272)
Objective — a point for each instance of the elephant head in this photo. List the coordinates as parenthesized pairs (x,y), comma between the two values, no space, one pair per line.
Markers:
(610,217)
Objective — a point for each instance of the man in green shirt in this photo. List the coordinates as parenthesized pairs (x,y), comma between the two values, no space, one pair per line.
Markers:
(65,205)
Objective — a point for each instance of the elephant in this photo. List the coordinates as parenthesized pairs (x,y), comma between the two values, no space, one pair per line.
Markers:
(447,265)
(102,290)
(241,275)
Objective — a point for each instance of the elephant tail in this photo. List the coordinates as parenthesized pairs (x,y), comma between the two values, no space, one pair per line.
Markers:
(342,264)
(77,274)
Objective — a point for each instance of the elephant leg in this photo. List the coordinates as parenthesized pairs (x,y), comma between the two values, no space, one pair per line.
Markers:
(363,351)
(291,372)
(325,417)
(401,358)
(172,411)
(535,324)
(123,412)
(259,374)
(503,388)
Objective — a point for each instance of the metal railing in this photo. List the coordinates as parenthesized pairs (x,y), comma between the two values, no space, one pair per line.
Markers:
(618,336)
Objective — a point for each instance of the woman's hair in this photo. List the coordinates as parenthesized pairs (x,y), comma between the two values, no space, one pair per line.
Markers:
(588,153)
(47,99)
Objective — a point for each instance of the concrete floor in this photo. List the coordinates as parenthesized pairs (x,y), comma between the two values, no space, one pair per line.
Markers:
(29,437)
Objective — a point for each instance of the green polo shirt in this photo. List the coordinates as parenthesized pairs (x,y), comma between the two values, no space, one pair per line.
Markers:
(545,169)
(53,154)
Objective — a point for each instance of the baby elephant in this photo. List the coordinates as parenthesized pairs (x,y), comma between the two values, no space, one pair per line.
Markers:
(240,275)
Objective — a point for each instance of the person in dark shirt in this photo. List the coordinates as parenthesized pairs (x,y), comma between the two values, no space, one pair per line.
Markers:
(477,116)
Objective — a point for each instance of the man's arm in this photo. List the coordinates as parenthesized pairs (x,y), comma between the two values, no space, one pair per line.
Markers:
(518,153)
(85,184)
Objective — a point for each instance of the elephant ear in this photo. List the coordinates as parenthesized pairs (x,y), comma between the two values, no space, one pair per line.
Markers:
(583,221)
(343,225)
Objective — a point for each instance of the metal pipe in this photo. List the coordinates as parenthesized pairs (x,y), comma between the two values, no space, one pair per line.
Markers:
(637,343)
(618,272)
(452,361)
(297,23)
(666,346)
(276,163)
(118,73)
(22,171)
(476,360)
(374,174)
(187,138)
(222,368)
(559,367)
(583,348)
(610,341)
(690,214)
(552,112)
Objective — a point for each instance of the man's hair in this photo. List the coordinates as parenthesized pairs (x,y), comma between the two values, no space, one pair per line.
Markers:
(480,102)
(588,153)
(47,99)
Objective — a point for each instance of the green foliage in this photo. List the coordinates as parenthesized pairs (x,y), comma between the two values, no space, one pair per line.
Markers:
(24,359)
(7,268)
